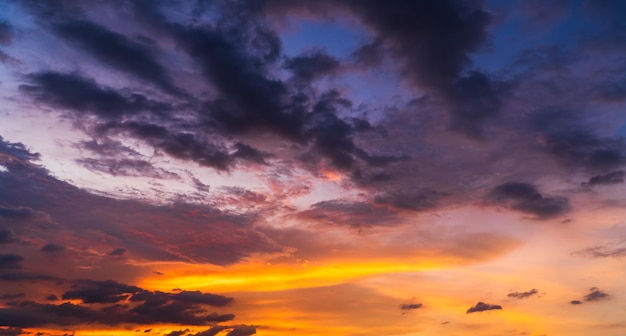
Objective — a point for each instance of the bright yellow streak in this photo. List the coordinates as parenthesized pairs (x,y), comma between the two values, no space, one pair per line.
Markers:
(262,277)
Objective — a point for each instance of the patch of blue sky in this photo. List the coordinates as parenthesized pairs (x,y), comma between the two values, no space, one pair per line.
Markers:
(335,37)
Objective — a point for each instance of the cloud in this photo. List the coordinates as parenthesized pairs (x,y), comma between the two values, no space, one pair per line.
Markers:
(481,307)
(12,331)
(595,294)
(411,306)
(90,291)
(11,296)
(526,198)
(17,213)
(82,95)
(6,33)
(10,261)
(349,213)
(17,150)
(145,230)
(523,295)
(53,248)
(602,252)
(312,65)
(117,252)
(242,330)
(118,51)
(615,177)
(7,237)
(566,137)
(123,304)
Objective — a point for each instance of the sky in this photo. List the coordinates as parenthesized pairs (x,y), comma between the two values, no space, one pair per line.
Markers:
(303,168)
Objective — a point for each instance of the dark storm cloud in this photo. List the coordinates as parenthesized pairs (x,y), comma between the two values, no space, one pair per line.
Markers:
(198,147)
(523,295)
(312,65)
(347,213)
(526,198)
(235,56)
(431,42)
(411,306)
(53,248)
(10,262)
(118,51)
(83,95)
(481,307)
(615,177)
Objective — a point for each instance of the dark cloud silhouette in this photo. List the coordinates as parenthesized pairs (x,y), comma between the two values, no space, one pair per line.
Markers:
(18,213)
(595,294)
(242,330)
(178,333)
(411,306)
(117,252)
(118,51)
(10,261)
(615,177)
(523,295)
(53,248)
(51,297)
(90,291)
(526,198)
(83,95)
(481,307)
(17,150)
(141,309)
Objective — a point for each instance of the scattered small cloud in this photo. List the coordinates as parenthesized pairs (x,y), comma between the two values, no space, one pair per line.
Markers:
(481,307)
(523,295)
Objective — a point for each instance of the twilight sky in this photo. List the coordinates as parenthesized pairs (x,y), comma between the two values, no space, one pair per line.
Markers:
(302,168)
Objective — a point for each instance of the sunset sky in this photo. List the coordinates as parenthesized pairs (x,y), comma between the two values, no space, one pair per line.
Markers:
(304,168)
